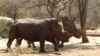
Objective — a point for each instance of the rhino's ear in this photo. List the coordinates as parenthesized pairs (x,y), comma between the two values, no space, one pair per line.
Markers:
(73,18)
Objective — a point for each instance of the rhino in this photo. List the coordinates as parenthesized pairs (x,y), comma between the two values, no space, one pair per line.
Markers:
(70,27)
(44,30)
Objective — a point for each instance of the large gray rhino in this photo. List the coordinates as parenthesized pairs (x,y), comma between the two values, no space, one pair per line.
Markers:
(49,30)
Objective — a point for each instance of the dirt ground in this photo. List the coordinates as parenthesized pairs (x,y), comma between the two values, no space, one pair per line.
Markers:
(73,48)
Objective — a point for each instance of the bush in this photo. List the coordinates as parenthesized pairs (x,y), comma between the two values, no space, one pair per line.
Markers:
(5,24)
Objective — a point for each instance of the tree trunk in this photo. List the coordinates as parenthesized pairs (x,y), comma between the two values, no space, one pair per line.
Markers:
(70,8)
(83,28)
(83,12)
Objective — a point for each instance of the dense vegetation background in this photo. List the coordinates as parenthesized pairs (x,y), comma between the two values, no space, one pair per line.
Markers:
(44,8)
(17,9)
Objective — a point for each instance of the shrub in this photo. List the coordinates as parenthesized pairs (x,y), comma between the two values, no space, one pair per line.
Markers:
(5,24)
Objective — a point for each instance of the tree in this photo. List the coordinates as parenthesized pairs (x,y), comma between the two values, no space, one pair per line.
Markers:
(56,6)
(53,7)
(83,11)
(8,8)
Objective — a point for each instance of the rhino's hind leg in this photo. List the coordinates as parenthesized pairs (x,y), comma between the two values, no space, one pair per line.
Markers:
(18,42)
(9,44)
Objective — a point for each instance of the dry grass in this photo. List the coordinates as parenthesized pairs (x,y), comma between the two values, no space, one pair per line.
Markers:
(73,48)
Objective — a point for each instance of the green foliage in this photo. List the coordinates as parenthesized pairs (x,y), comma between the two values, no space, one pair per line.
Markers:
(5,23)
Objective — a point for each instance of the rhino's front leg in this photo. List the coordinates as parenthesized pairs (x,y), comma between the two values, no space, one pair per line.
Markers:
(55,43)
(42,43)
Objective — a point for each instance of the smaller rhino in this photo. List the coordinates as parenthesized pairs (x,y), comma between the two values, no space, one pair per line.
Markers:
(69,25)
